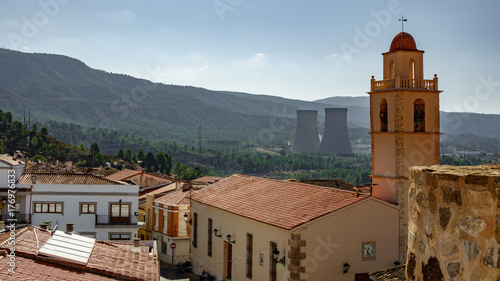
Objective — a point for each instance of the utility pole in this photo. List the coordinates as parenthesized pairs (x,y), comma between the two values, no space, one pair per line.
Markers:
(199,139)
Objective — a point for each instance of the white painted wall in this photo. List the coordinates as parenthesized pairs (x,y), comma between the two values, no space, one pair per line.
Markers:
(73,195)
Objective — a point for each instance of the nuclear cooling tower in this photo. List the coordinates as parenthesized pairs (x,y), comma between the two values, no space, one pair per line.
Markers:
(306,135)
(336,138)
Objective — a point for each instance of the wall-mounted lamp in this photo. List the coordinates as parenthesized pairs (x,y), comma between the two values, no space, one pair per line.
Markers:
(186,216)
(276,256)
(217,231)
(33,179)
(4,200)
(346,267)
(120,201)
(229,239)
(136,214)
(397,263)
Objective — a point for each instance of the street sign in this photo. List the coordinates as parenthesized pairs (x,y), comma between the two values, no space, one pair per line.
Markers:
(173,245)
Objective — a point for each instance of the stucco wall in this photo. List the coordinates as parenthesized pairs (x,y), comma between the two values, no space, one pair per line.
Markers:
(238,227)
(329,242)
(454,227)
(337,239)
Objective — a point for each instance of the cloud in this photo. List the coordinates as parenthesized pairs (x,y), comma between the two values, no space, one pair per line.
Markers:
(257,60)
(119,17)
(337,56)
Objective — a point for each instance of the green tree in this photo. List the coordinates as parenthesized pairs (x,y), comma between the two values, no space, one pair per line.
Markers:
(94,148)
(82,146)
(34,142)
(120,154)
(44,132)
(128,156)
(34,128)
(38,157)
(181,170)
(141,155)
(164,162)
(99,159)
(149,162)
(8,118)
(53,150)
(1,146)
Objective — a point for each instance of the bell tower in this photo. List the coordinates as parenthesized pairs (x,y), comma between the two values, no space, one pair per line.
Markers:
(404,125)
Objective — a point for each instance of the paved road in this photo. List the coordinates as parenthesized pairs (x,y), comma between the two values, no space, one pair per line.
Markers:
(169,272)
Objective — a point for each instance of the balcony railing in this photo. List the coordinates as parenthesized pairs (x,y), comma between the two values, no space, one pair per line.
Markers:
(404,83)
(111,220)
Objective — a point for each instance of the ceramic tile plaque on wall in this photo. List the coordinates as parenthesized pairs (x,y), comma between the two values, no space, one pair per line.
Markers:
(368,251)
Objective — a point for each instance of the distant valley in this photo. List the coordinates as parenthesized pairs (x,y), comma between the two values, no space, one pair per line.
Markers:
(55,87)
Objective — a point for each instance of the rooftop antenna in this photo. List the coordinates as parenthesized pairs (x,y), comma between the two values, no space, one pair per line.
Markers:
(402,20)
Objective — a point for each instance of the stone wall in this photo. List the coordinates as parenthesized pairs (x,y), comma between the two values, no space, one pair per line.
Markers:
(454,223)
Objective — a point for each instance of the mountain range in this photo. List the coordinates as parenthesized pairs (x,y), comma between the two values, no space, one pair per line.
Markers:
(56,87)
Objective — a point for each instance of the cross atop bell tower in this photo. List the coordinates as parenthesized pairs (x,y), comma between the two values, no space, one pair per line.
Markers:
(402,20)
(404,124)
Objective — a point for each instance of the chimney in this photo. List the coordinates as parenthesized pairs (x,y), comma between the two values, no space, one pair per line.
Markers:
(70,227)
(336,136)
(306,135)
(18,155)
(136,246)
(177,183)
(48,224)
(43,226)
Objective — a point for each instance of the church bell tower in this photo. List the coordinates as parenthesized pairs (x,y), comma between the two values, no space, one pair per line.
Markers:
(404,125)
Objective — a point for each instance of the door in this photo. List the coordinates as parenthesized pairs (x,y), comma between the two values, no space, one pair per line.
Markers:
(120,213)
(361,277)
(228,256)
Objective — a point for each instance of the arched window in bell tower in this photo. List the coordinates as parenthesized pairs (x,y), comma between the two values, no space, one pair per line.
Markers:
(391,69)
(412,69)
(419,115)
(383,115)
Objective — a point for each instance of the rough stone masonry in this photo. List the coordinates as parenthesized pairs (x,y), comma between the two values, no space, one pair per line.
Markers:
(454,223)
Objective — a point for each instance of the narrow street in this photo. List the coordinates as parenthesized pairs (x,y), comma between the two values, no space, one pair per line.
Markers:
(169,272)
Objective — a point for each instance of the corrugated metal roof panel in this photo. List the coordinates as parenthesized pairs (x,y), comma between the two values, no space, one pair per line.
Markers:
(68,247)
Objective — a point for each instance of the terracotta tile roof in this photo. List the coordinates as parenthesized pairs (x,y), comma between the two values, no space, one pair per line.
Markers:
(123,174)
(4,236)
(391,274)
(207,179)
(6,158)
(176,197)
(152,189)
(30,269)
(280,203)
(403,42)
(334,183)
(110,259)
(158,192)
(67,178)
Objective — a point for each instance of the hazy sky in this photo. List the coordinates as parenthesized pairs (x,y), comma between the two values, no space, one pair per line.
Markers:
(304,50)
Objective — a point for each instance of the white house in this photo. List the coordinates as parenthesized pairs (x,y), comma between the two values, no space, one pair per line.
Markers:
(98,207)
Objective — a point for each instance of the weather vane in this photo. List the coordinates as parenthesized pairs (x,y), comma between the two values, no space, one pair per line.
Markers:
(402,20)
